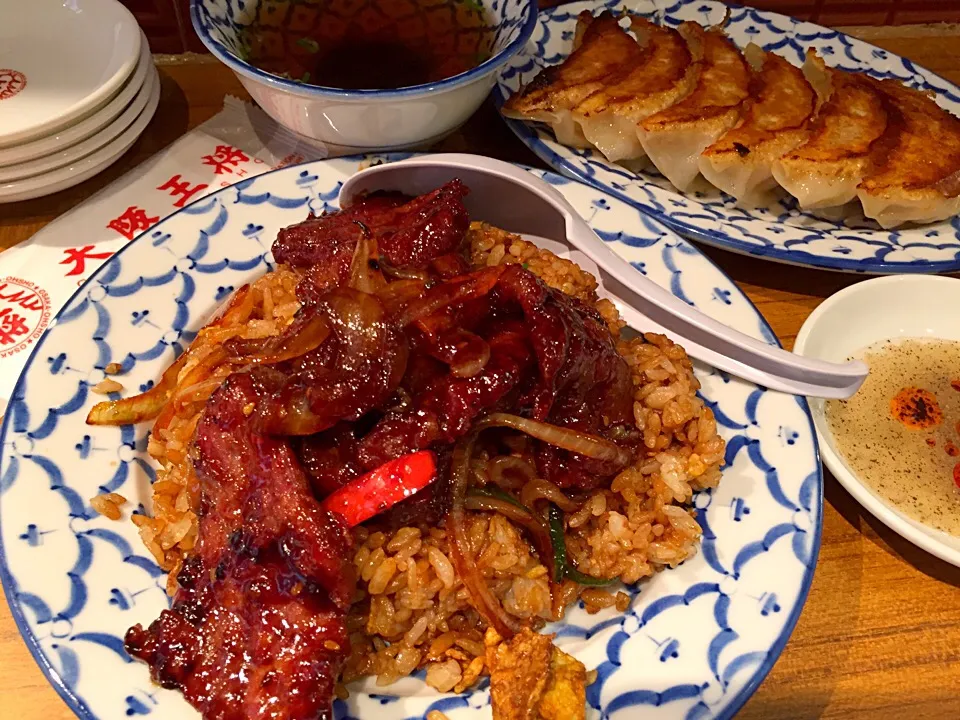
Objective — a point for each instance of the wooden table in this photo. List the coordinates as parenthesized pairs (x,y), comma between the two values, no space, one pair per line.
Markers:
(880,634)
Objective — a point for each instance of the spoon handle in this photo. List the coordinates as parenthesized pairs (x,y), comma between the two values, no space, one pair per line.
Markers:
(508,196)
(703,337)
(710,341)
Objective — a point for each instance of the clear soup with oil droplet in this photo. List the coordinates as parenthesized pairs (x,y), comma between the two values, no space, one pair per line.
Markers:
(899,433)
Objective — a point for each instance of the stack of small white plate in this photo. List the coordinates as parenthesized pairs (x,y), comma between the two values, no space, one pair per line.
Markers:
(77,88)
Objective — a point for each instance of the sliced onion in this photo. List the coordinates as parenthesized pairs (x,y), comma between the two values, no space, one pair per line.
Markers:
(138,408)
(471,355)
(198,373)
(306,333)
(591,446)
(397,295)
(359,321)
(235,310)
(484,600)
(373,359)
(471,367)
(465,352)
(164,419)
(365,274)
(150,404)
(478,472)
(540,489)
(584,444)
(452,292)
(403,273)
(502,467)
(197,393)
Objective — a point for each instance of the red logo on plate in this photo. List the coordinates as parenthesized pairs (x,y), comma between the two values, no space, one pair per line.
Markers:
(11,83)
(24,314)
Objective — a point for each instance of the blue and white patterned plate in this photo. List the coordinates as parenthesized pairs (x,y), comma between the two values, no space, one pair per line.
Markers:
(695,642)
(781,232)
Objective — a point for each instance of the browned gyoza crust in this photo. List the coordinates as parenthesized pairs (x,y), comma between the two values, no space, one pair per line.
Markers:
(825,171)
(775,120)
(604,52)
(665,73)
(914,167)
(674,138)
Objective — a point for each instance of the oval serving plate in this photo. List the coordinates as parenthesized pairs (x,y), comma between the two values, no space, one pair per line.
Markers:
(781,232)
(695,642)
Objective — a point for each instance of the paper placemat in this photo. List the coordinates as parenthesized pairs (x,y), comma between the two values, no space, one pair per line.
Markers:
(38,277)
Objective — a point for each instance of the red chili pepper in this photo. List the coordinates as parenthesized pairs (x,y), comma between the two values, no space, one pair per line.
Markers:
(383,488)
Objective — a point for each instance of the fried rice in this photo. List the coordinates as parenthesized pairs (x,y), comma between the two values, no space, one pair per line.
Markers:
(411,610)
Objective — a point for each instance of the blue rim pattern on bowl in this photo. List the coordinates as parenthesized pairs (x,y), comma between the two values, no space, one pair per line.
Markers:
(206,24)
(809,494)
(715,221)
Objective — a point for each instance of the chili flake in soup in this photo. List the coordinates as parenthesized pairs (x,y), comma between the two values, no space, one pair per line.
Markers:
(899,433)
(369,44)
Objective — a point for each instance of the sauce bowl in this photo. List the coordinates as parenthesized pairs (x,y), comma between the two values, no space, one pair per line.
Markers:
(360,120)
(862,315)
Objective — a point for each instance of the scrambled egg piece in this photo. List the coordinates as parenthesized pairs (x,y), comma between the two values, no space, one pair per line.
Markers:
(530,679)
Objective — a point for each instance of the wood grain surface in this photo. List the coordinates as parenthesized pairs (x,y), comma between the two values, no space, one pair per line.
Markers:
(880,634)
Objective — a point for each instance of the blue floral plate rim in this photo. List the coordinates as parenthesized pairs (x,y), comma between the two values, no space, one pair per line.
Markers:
(77,704)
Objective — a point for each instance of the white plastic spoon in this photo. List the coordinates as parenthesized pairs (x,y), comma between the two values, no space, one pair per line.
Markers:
(513,199)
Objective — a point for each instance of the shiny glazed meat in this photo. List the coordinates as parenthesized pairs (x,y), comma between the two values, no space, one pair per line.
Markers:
(463,343)
(409,233)
(398,346)
(257,627)
(549,357)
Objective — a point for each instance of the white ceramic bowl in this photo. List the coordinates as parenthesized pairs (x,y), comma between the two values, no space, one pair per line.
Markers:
(363,119)
(75,173)
(61,61)
(79,131)
(898,306)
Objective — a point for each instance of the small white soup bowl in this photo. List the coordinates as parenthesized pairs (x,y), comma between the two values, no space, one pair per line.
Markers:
(362,119)
(887,308)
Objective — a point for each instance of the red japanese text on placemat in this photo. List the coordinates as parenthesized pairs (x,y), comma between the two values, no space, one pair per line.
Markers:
(11,83)
(24,314)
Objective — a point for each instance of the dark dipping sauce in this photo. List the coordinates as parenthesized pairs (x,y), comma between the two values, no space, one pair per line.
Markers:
(369,45)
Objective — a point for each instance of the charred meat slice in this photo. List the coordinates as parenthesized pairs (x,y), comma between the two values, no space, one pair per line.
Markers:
(550,358)
(446,409)
(257,627)
(370,365)
(584,382)
(409,232)
(426,228)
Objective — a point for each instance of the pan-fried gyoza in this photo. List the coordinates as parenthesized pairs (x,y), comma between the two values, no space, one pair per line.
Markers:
(688,102)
